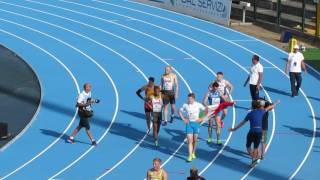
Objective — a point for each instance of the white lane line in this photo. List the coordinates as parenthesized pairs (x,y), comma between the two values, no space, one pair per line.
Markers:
(75,82)
(242,100)
(127,27)
(242,47)
(98,141)
(168,59)
(162,42)
(101,44)
(177,73)
(243,40)
(197,43)
(264,67)
(89,58)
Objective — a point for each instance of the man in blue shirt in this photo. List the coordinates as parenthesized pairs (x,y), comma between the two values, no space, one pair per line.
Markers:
(255,133)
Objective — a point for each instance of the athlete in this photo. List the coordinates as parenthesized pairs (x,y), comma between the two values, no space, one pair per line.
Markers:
(170,88)
(255,133)
(225,88)
(189,113)
(212,99)
(264,104)
(157,105)
(156,173)
(149,90)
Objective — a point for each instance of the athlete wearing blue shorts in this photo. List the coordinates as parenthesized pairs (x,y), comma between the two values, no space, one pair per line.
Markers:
(189,113)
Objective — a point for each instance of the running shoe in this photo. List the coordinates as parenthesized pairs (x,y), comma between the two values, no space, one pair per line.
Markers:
(194,156)
(210,140)
(219,142)
(70,140)
(156,143)
(254,163)
(165,123)
(189,159)
(94,143)
(171,119)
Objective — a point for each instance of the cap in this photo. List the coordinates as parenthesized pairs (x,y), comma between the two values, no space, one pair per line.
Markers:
(296,47)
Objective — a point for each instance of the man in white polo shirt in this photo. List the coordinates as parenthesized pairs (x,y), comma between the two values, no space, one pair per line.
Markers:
(255,77)
(85,113)
(294,65)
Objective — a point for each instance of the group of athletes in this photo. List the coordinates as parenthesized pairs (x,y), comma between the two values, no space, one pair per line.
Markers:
(193,113)
(213,108)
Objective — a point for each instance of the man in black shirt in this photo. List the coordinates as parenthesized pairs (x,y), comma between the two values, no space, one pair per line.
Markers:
(194,175)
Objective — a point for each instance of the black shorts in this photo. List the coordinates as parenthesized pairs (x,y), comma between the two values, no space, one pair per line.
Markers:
(255,138)
(84,122)
(157,117)
(147,110)
(168,97)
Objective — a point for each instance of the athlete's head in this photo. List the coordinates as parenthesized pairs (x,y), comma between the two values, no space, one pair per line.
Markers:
(87,87)
(191,97)
(255,104)
(219,76)
(156,164)
(194,172)
(151,81)
(157,90)
(215,86)
(255,59)
(168,69)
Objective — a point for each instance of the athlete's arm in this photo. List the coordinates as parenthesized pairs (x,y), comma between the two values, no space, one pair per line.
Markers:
(148,176)
(224,97)
(238,126)
(273,106)
(165,175)
(182,117)
(138,92)
(205,99)
(177,86)
(161,83)
(230,87)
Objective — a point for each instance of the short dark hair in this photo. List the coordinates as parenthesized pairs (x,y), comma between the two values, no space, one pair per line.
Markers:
(255,104)
(194,172)
(219,73)
(151,79)
(157,159)
(192,95)
(215,84)
(85,85)
(256,57)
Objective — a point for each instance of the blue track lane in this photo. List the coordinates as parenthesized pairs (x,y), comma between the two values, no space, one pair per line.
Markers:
(146,39)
